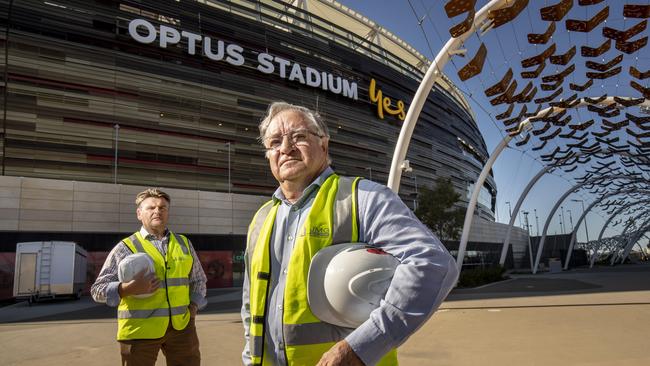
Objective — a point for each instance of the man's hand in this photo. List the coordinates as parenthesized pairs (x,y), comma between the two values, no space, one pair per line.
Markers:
(140,284)
(340,354)
(193,310)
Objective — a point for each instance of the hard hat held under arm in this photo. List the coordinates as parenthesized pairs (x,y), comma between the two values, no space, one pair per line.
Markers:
(347,282)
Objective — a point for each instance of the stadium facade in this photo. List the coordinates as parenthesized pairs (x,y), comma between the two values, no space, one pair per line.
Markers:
(101,98)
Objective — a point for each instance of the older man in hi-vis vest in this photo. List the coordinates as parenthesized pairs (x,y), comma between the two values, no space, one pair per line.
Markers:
(286,233)
(155,311)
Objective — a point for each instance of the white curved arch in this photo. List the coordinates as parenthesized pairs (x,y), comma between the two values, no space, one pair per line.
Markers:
(628,248)
(513,216)
(612,216)
(432,74)
(525,124)
(524,194)
(574,232)
(540,246)
(602,231)
(642,226)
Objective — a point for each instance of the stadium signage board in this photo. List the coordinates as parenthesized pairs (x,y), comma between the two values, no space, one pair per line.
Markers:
(145,32)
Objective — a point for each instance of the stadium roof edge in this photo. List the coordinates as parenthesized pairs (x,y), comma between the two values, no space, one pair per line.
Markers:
(394,45)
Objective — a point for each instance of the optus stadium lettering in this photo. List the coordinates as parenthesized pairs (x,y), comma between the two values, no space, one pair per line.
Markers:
(145,32)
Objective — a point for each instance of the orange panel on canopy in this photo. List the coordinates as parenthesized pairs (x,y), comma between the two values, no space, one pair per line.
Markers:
(556,12)
(636,11)
(587,25)
(565,58)
(501,86)
(626,34)
(504,15)
(586,51)
(475,65)
(543,38)
(458,7)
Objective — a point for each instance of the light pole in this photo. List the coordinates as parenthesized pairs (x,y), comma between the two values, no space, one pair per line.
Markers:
(536,222)
(561,223)
(570,220)
(228,144)
(415,201)
(232,203)
(509,210)
(583,210)
(562,217)
(530,247)
(369,169)
(117,140)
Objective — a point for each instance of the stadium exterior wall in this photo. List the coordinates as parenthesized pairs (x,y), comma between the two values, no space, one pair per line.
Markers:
(94,100)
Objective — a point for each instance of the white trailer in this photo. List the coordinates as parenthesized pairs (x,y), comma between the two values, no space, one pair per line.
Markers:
(49,269)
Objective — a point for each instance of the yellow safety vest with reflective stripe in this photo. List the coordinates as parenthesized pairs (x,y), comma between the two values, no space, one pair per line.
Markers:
(148,318)
(332,219)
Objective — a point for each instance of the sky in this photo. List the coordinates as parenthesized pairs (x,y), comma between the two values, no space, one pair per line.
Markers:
(424,24)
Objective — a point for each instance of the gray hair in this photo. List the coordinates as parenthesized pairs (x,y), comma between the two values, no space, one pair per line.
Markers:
(309,116)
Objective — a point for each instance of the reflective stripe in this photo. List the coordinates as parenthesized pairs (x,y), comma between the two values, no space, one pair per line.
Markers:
(183,281)
(313,333)
(257,319)
(342,219)
(151,313)
(256,346)
(136,242)
(142,314)
(182,243)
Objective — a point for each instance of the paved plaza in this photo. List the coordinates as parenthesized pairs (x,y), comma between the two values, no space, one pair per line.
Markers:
(580,317)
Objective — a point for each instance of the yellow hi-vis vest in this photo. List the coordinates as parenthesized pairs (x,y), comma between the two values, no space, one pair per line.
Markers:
(148,318)
(332,219)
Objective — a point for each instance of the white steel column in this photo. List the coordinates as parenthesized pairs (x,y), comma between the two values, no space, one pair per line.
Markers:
(520,201)
(469,214)
(540,246)
(575,231)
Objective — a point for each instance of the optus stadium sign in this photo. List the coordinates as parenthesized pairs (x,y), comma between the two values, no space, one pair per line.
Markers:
(145,32)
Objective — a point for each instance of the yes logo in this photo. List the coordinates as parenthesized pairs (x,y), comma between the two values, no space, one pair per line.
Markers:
(384,103)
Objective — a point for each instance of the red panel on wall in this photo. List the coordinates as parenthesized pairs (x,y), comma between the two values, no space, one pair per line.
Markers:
(217,265)
(95,262)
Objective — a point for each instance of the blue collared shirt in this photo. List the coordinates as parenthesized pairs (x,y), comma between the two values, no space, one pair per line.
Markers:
(426,274)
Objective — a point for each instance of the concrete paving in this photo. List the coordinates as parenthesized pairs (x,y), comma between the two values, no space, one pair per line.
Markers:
(579,317)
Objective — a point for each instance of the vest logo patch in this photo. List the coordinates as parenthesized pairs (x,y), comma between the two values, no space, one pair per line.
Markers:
(320,232)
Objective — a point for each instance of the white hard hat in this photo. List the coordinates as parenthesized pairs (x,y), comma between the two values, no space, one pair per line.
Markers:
(346,282)
(131,265)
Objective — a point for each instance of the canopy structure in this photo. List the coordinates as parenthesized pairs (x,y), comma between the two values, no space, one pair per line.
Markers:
(565,82)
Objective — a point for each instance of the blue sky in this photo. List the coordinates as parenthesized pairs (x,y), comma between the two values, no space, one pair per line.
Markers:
(507,46)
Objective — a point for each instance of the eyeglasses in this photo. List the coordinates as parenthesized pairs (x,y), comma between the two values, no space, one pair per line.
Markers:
(296,138)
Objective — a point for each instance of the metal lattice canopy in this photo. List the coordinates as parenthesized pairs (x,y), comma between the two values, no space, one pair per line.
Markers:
(567,80)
